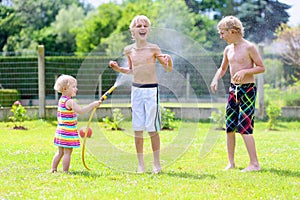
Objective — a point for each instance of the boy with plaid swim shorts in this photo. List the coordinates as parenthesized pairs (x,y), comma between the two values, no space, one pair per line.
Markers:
(244,61)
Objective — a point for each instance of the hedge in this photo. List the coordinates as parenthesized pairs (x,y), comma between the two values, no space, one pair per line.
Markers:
(8,97)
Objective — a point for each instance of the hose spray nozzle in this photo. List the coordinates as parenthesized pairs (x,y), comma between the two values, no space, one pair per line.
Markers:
(107,93)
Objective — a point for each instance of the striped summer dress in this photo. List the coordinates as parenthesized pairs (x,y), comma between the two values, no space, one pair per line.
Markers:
(66,134)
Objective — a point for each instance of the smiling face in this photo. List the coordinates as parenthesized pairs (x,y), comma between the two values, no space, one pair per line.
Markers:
(140,28)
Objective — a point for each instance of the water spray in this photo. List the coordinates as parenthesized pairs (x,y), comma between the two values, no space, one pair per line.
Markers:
(104,97)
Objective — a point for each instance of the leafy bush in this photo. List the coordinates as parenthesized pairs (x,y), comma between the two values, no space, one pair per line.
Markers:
(289,96)
(272,96)
(167,119)
(8,96)
(292,97)
(218,118)
(273,112)
(19,115)
(114,122)
(274,69)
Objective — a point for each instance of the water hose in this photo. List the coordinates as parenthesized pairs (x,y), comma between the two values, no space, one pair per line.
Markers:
(104,97)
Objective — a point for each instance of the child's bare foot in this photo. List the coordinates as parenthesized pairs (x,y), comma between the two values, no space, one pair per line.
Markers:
(156,168)
(141,169)
(251,168)
(53,171)
(229,166)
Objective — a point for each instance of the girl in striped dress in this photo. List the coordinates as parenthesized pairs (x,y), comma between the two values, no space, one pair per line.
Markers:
(66,136)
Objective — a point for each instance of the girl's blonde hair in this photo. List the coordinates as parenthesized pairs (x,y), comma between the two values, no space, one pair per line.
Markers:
(63,81)
(231,22)
(139,18)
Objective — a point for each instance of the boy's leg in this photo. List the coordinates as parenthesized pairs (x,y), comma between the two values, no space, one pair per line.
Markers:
(250,145)
(155,142)
(246,125)
(67,159)
(56,159)
(231,117)
(139,145)
(230,150)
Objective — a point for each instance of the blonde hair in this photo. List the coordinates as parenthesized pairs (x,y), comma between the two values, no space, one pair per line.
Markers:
(231,22)
(137,19)
(63,81)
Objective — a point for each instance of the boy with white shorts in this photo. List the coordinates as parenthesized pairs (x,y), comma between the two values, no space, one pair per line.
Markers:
(141,57)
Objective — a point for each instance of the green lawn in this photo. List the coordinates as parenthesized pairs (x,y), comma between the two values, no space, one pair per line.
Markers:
(26,160)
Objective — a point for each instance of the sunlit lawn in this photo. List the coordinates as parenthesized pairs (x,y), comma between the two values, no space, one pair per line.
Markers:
(26,159)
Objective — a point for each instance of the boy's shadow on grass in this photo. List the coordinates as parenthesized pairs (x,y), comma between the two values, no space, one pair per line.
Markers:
(281,172)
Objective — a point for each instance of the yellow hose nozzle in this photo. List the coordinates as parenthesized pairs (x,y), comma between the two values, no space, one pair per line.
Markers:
(104,96)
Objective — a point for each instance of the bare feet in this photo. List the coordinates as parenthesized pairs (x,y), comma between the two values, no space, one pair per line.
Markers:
(156,168)
(229,166)
(251,168)
(141,169)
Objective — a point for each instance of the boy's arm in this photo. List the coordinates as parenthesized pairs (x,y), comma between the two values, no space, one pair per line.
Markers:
(220,72)
(115,66)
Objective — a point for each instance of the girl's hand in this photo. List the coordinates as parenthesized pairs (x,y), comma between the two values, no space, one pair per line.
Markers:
(97,103)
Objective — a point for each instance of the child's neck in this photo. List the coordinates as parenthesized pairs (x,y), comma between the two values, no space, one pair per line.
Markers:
(238,41)
(141,43)
(64,94)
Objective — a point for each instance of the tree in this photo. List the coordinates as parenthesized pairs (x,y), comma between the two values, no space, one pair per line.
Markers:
(169,14)
(289,38)
(261,18)
(9,24)
(66,22)
(40,13)
(274,69)
(31,18)
(97,25)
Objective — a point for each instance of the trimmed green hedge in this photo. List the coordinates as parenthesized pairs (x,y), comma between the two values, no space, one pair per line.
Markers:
(8,97)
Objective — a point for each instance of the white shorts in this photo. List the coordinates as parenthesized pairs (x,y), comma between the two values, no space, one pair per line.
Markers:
(145,107)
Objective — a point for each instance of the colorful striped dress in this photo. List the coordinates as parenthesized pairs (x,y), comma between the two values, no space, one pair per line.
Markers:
(66,134)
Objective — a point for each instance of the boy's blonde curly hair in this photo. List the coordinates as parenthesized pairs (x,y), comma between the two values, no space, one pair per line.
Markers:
(63,81)
(231,22)
(138,18)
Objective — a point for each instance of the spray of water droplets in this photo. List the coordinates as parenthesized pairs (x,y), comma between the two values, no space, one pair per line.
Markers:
(192,72)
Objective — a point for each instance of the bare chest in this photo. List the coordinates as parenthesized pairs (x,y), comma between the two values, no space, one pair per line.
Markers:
(238,57)
(140,57)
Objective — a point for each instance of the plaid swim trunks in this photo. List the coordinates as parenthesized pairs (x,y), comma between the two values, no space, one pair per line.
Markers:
(240,108)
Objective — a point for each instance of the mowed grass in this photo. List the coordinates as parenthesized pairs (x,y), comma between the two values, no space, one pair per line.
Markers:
(26,161)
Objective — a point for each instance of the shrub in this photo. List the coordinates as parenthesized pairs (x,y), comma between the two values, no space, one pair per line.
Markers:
(8,96)
(167,119)
(19,115)
(114,122)
(292,97)
(218,118)
(273,112)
